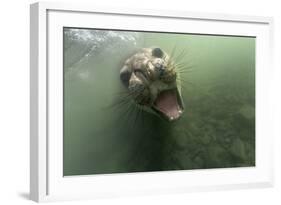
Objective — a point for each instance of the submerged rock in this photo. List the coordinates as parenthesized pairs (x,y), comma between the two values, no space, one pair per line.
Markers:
(247,111)
(238,149)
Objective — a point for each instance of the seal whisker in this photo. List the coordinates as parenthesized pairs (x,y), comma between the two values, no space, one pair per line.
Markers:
(185,68)
(173,52)
(142,120)
(184,72)
(125,99)
(183,64)
(127,115)
(138,113)
(118,105)
(181,55)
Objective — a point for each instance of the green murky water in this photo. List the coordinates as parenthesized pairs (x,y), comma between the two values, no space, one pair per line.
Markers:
(102,135)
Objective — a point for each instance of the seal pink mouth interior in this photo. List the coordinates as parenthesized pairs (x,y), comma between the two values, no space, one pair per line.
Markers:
(167,103)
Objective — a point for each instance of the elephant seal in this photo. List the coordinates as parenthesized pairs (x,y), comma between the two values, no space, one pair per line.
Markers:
(151,80)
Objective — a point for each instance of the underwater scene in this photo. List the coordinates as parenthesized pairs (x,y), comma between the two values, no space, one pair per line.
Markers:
(138,101)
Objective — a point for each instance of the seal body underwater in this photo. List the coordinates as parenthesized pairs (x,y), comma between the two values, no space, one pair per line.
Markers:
(151,80)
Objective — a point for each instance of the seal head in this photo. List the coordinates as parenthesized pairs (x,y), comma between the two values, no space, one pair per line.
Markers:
(151,79)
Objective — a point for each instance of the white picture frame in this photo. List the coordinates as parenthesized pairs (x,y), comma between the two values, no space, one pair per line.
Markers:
(46,180)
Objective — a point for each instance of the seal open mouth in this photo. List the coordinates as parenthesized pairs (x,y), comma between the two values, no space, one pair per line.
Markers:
(169,104)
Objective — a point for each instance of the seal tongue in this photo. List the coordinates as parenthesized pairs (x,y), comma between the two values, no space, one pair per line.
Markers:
(167,103)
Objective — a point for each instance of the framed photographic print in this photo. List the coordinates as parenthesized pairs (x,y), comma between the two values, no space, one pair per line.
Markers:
(127,102)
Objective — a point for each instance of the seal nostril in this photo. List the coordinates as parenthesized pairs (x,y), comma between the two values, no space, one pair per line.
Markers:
(160,68)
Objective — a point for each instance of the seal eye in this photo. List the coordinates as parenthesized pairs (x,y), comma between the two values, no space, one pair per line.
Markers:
(157,52)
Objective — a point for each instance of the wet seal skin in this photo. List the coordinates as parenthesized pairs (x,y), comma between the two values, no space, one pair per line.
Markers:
(151,80)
